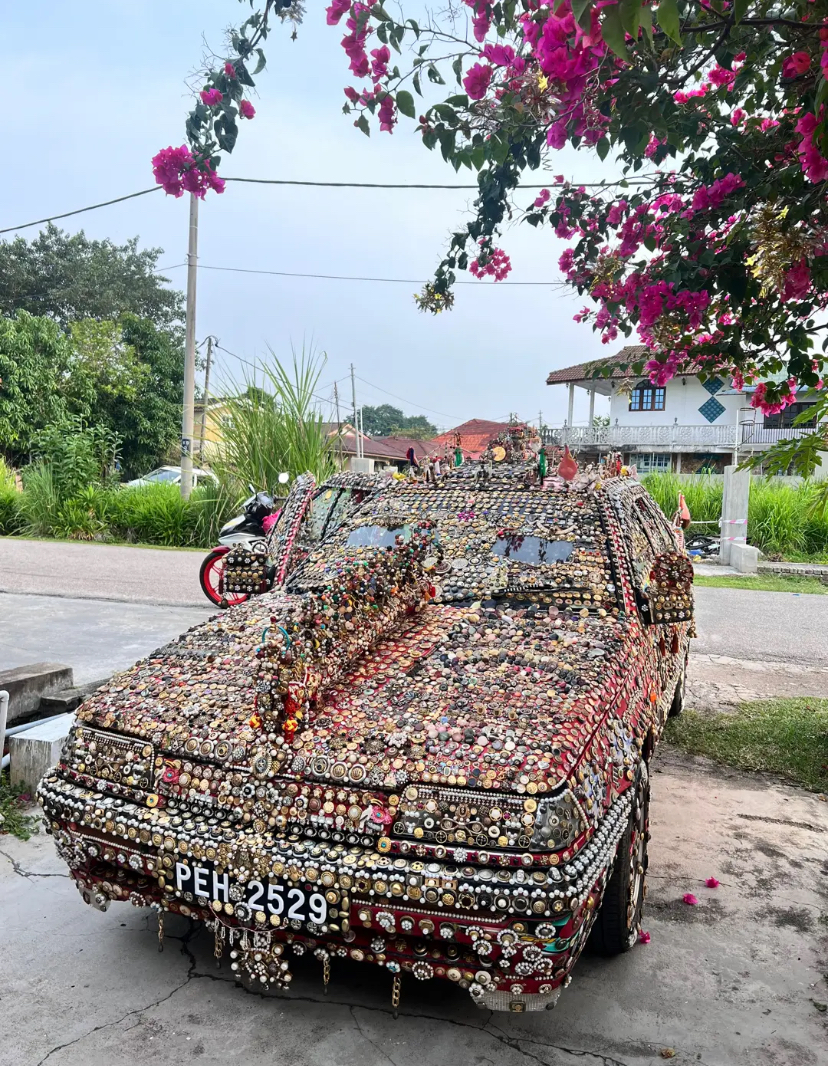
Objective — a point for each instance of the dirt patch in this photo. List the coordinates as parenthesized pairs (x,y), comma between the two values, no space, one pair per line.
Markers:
(708,911)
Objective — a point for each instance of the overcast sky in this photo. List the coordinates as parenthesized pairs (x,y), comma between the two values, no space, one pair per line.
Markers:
(101,87)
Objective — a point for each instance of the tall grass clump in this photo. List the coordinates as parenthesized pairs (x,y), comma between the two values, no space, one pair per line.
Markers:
(783,518)
(703,494)
(275,426)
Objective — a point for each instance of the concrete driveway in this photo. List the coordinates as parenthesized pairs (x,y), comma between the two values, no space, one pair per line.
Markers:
(735,981)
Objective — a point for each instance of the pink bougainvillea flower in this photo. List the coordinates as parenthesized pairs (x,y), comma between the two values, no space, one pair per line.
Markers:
(690,899)
(796,64)
(337,9)
(387,114)
(247,110)
(736,116)
(211,97)
(797,281)
(379,64)
(712,882)
(499,54)
(542,198)
(477,80)
(229,69)
(643,938)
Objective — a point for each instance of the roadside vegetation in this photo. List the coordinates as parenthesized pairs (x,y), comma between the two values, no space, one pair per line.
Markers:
(765,583)
(784,520)
(13,805)
(71,492)
(788,737)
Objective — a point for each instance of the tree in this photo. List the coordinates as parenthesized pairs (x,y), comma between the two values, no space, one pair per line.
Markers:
(712,246)
(35,356)
(70,277)
(122,378)
(386,420)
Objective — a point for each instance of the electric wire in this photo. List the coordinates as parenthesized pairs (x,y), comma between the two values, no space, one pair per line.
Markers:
(322,185)
(355,277)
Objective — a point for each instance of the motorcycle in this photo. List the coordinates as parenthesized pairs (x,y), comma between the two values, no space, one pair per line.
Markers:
(250,530)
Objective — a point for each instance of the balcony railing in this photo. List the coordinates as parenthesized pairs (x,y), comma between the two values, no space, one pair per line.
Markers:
(671,437)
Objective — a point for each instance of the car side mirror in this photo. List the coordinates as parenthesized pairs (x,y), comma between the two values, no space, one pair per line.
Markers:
(668,597)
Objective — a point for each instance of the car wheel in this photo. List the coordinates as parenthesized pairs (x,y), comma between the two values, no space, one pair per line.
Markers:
(677,706)
(618,921)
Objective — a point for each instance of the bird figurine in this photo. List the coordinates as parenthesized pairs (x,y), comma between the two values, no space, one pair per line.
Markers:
(567,468)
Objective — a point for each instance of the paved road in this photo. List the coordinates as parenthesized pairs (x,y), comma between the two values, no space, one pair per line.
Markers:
(101,571)
(94,637)
(730,982)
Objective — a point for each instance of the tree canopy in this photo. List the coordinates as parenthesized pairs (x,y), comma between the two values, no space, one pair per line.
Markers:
(710,244)
(387,421)
(69,277)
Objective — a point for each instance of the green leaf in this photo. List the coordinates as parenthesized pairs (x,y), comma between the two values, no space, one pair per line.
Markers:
(740,9)
(578,7)
(458,101)
(405,103)
(435,75)
(457,67)
(414,26)
(822,92)
(613,32)
(382,33)
(630,16)
(667,16)
(602,147)
(261,64)
(362,124)
(478,156)
(415,81)
(646,19)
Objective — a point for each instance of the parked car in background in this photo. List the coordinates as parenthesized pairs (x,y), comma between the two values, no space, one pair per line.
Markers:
(426,750)
(171,475)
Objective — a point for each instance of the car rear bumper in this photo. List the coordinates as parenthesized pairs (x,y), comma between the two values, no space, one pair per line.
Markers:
(426,918)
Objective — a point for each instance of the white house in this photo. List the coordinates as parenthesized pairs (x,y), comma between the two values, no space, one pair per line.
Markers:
(688,426)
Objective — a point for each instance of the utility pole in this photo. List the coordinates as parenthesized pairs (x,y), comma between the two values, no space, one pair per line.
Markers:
(357,436)
(206,398)
(189,354)
(336,402)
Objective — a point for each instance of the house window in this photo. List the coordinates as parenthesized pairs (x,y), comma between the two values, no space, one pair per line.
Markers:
(650,463)
(785,419)
(647,397)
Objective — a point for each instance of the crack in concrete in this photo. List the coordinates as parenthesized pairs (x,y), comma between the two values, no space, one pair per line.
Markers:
(514,1042)
(781,821)
(29,874)
(116,1021)
(365,1036)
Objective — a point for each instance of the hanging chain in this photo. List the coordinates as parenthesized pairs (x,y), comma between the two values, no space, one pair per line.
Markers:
(326,972)
(160,930)
(395,993)
(218,947)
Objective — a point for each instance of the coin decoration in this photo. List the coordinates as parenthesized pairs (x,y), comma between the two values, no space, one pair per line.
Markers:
(420,752)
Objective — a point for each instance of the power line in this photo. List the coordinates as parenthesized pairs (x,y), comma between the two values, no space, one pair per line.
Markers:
(81,210)
(403,400)
(255,366)
(353,277)
(326,185)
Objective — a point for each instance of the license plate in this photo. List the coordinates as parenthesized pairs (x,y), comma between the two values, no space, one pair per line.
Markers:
(270,896)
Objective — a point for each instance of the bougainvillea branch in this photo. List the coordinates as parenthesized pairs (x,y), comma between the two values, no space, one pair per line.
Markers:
(718,260)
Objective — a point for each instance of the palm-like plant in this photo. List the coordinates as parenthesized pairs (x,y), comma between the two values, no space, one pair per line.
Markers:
(275,425)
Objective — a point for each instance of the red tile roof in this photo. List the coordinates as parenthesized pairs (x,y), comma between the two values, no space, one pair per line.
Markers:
(584,371)
(475,436)
(400,446)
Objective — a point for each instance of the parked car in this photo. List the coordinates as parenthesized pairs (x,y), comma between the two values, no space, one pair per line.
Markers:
(171,475)
(428,751)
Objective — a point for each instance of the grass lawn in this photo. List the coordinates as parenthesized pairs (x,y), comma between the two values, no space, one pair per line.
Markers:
(12,817)
(786,736)
(763,583)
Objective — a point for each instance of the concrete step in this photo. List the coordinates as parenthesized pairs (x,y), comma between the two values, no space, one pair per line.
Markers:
(68,699)
(37,750)
(26,685)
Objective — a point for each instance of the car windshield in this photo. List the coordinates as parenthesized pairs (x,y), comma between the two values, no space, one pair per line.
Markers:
(161,475)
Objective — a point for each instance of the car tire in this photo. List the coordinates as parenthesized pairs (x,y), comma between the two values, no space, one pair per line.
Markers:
(618,921)
(677,706)
(210,578)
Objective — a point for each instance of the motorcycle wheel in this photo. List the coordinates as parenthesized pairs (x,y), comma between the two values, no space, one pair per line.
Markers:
(211,577)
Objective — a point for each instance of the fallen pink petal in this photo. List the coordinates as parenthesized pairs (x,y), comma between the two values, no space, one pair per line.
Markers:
(643,938)
(690,899)
(712,882)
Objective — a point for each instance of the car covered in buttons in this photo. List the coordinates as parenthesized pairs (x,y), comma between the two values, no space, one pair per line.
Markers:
(426,749)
